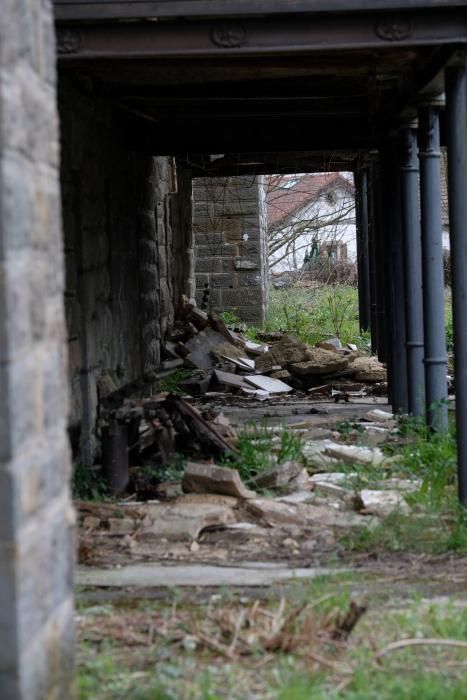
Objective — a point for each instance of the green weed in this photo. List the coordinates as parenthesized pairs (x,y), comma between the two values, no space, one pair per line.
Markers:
(259,451)
(172,382)
(87,484)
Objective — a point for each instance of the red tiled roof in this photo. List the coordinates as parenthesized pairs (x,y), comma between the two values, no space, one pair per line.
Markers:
(283,202)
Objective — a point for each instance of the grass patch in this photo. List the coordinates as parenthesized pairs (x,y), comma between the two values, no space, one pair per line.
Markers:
(119,657)
(437,522)
(315,313)
(261,449)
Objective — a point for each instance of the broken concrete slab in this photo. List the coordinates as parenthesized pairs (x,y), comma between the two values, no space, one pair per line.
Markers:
(296,497)
(369,369)
(184,521)
(209,478)
(195,575)
(200,347)
(333,344)
(219,325)
(382,503)
(229,379)
(243,363)
(198,318)
(355,454)
(332,517)
(278,476)
(274,513)
(256,348)
(211,499)
(378,416)
(258,394)
(337,478)
(397,484)
(284,352)
(283,374)
(349,498)
(320,361)
(273,386)
(196,386)
(314,452)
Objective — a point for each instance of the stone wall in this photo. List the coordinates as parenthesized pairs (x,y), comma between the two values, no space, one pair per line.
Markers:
(125,264)
(229,223)
(36,519)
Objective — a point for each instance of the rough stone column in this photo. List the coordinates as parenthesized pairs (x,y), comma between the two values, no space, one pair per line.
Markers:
(36,519)
(229,222)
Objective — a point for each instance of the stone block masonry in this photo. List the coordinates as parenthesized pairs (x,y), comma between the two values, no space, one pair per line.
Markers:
(36,518)
(231,256)
(129,256)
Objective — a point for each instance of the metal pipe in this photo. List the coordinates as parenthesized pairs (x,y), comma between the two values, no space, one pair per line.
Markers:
(372,259)
(395,276)
(115,456)
(363,255)
(412,246)
(436,391)
(456,94)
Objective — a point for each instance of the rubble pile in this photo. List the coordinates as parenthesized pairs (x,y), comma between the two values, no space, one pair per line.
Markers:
(217,363)
(225,361)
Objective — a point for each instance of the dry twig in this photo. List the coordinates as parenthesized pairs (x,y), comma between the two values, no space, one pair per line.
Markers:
(403,643)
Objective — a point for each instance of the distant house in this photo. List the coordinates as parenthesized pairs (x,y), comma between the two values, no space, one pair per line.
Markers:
(310,215)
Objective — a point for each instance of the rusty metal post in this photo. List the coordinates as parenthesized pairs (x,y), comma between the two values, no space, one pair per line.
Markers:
(433,269)
(115,456)
(456,94)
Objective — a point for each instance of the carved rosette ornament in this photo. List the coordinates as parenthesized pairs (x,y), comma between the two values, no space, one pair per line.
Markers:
(393,29)
(229,35)
(68,41)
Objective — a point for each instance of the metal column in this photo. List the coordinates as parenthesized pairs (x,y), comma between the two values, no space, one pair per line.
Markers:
(396,277)
(363,256)
(412,247)
(433,270)
(456,93)
(372,258)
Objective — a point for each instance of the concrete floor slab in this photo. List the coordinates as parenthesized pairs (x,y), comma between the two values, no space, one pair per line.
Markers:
(159,575)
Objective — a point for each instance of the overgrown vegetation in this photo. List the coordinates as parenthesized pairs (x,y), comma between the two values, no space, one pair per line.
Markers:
(316,313)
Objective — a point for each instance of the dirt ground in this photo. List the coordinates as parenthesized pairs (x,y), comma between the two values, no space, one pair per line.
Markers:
(297,613)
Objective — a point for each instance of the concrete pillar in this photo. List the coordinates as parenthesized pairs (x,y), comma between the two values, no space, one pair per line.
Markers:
(412,246)
(432,265)
(231,253)
(36,518)
(456,94)
(363,254)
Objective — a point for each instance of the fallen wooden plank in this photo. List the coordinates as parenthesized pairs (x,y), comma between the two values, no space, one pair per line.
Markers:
(204,431)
